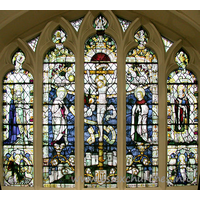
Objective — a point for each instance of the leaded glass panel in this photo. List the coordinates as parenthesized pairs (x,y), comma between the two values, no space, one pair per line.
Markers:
(59,115)
(182,124)
(18,125)
(100,109)
(141,115)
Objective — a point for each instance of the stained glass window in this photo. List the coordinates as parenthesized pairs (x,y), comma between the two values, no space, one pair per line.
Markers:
(59,115)
(141,114)
(33,43)
(124,23)
(18,125)
(76,23)
(167,43)
(100,108)
(182,124)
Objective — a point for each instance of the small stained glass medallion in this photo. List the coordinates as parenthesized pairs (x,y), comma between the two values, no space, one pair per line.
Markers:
(141,115)
(59,115)
(100,23)
(141,38)
(182,124)
(76,23)
(124,23)
(167,43)
(33,43)
(182,59)
(59,37)
(18,125)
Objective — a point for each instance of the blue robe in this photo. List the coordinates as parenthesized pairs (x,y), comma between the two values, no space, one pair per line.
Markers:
(13,126)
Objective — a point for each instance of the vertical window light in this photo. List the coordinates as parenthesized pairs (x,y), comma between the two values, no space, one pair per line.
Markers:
(18,125)
(141,115)
(100,108)
(59,115)
(182,124)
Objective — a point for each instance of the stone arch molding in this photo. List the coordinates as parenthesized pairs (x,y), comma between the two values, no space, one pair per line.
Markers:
(86,30)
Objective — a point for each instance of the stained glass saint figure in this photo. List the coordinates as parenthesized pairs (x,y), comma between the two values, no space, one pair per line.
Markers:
(59,114)
(182,124)
(141,114)
(18,125)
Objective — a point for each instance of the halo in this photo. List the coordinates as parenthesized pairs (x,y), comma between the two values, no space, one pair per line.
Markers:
(101,78)
(18,87)
(139,89)
(15,57)
(102,66)
(61,89)
(181,87)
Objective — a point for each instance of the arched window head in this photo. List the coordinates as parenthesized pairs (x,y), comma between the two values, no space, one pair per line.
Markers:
(100,48)
(59,53)
(141,54)
(18,125)
(59,115)
(182,124)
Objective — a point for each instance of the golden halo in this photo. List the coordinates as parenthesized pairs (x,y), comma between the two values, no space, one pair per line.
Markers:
(61,89)
(101,78)
(140,89)
(16,55)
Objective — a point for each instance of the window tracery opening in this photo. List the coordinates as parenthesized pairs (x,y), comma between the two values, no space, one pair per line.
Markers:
(167,43)
(77,23)
(124,23)
(33,43)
